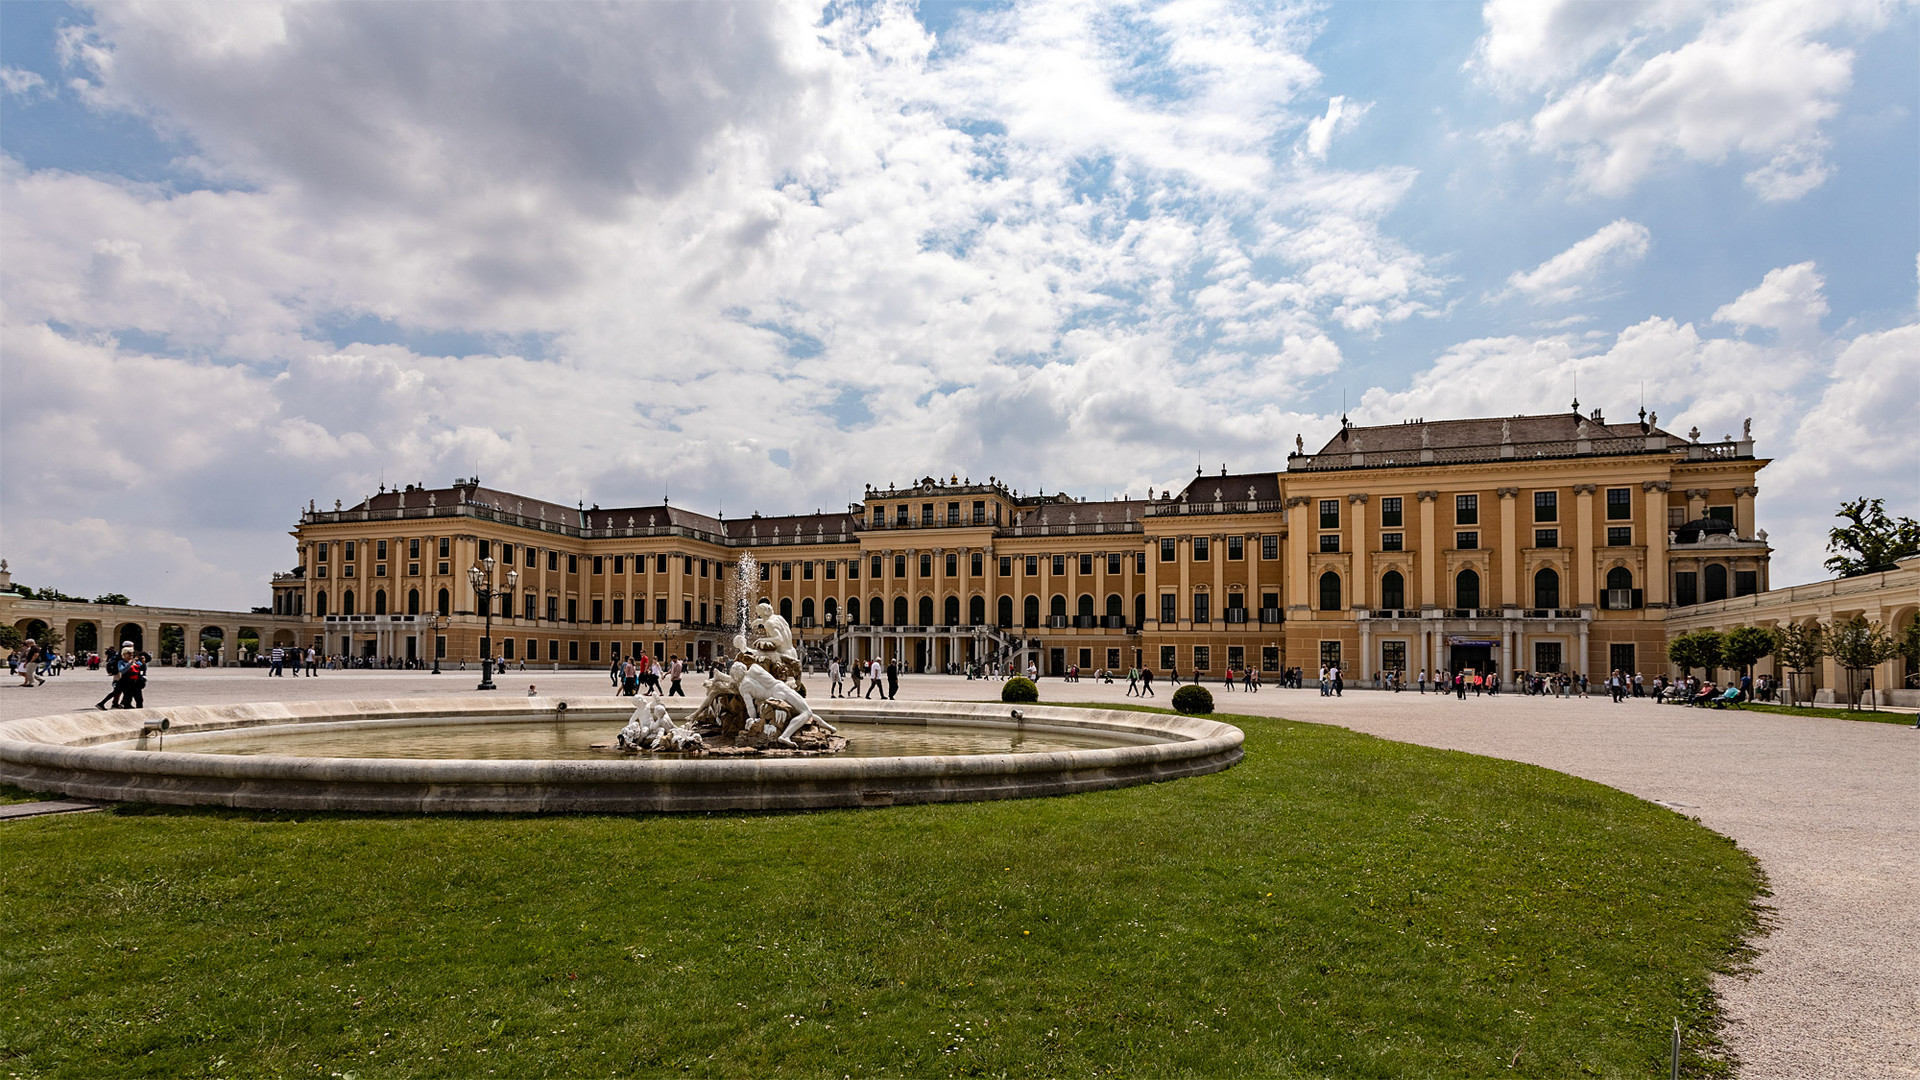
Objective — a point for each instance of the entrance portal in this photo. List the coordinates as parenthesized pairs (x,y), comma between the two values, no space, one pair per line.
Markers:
(1474,656)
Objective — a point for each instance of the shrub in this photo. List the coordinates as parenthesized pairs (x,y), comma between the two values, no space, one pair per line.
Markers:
(1193,700)
(1019,690)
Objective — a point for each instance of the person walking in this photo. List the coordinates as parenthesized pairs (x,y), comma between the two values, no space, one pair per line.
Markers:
(275,659)
(1146,683)
(29,655)
(1133,682)
(856,669)
(313,663)
(1227,682)
(1339,684)
(133,679)
(834,677)
(673,676)
(893,679)
(873,680)
(1326,683)
(114,689)
(1423,680)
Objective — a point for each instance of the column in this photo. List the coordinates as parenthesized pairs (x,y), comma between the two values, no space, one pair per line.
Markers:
(1509,554)
(1655,512)
(1506,650)
(939,593)
(1366,650)
(1217,609)
(1184,550)
(1580,664)
(676,587)
(1357,547)
(1153,579)
(1583,593)
(1100,591)
(1697,503)
(1299,543)
(1743,522)
(1428,573)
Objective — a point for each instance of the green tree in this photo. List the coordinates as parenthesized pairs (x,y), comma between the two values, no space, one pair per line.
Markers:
(1871,540)
(1746,645)
(1801,646)
(50,593)
(112,598)
(1908,643)
(1699,649)
(11,637)
(1859,645)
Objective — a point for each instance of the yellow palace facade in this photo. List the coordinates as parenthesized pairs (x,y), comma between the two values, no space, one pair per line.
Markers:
(1555,542)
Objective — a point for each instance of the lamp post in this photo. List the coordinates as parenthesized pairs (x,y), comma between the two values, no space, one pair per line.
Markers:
(436,622)
(481,575)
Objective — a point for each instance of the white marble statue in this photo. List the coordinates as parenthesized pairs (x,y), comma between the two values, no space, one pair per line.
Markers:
(647,728)
(757,686)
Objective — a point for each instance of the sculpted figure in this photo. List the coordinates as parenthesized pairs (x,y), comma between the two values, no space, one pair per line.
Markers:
(758,687)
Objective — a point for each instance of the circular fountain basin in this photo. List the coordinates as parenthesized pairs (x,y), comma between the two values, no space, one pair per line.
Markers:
(533,755)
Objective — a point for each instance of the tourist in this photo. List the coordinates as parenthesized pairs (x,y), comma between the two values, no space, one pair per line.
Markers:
(1226,683)
(29,655)
(873,679)
(1133,682)
(1338,683)
(114,688)
(531,692)
(893,679)
(834,677)
(1249,682)
(1146,683)
(1326,683)
(133,679)
(674,672)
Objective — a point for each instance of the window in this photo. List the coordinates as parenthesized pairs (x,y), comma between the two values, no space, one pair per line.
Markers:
(1330,654)
(573,651)
(1169,549)
(1393,590)
(976,564)
(348,554)
(1329,591)
(1006,566)
(875,568)
(1030,611)
(599,564)
(1270,658)
(379,549)
(853,570)
(1059,565)
(1086,564)
(1746,582)
(1466,541)
(786,571)
(573,567)
(1270,546)
(1201,549)
(1169,608)
(900,514)
(1140,562)
(346,603)
(1202,608)
(1466,589)
(619,564)
(953,513)
(833,569)
(553,609)
(1546,506)
(599,611)
(321,553)
(703,567)
(413,601)
(446,545)
(1329,541)
(532,607)
(806,570)
(1113,563)
(380,602)
(1202,658)
(1619,536)
(899,566)
(926,514)
(413,549)
(379,569)
(926,564)
(1546,538)
(1329,513)
(444,603)
(529,551)
(573,609)
(1546,656)
(1236,548)
(593,651)
(443,568)
(506,553)
(1168,659)
(1714,513)
(1390,515)
(1620,658)
(1113,659)
(1033,565)
(553,561)
(1004,610)
(660,610)
(1619,504)
(1716,582)
(1393,656)
(1393,541)
(979,512)
(766,571)
(1466,509)
(953,564)
(1546,588)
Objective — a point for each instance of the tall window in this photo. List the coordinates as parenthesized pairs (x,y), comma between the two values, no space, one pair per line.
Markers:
(1201,549)
(1546,588)
(1393,590)
(1329,591)
(1466,589)
(1030,611)
(899,611)
(1546,506)
(1113,562)
(1466,509)
(443,603)
(926,564)
(1169,549)
(1169,608)
(1202,608)
(976,563)
(1033,565)
(1619,504)
(1004,611)
(877,611)
(1390,514)
(1270,546)
(1716,582)
(1086,564)
(1236,547)
(1329,513)
(1059,565)
(413,601)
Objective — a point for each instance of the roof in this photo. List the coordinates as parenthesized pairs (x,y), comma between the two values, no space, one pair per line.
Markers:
(1232,487)
(1413,436)
(416,496)
(1111,511)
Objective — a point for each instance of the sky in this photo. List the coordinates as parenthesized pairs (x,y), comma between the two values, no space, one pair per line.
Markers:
(754,256)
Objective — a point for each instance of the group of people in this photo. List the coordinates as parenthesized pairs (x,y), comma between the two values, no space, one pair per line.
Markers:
(871,670)
(634,672)
(307,663)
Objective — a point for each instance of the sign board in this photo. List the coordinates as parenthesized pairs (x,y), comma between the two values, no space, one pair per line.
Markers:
(1451,640)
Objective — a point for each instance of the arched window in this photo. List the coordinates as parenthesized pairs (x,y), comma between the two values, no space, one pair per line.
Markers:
(926,611)
(1393,590)
(806,608)
(899,611)
(1006,610)
(445,603)
(320,602)
(413,601)
(877,611)
(1057,606)
(786,608)
(1329,591)
(1086,605)
(1619,578)
(1716,582)
(1546,587)
(1139,609)
(1466,590)
(830,608)
(950,615)
(346,602)
(1116,607)
(977,611)
(380,602)
(1031,611)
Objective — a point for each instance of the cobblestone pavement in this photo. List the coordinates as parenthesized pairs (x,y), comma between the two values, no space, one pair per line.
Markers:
(1828,806)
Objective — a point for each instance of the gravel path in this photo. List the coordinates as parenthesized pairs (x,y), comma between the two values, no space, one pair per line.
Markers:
(1830,807)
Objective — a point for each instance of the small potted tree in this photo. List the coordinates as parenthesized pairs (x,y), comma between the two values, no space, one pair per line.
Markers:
(1860,646)
(1799,648)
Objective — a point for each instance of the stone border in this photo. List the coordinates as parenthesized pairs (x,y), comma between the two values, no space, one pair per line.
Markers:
(64,753)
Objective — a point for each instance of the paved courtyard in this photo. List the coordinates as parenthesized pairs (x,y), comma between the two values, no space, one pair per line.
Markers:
(1830,808)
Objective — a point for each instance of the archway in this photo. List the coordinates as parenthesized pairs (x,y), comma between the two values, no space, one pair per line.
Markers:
(899,611)
(926,611)
(877,612)
(413,601)
(1329,591)
(211,640)
(1057,607)
(380,602)
(249,641)
(1466,589)
(1005,610)
(1393,590)
(1031,610)
(786,608)
(1546,587)
(950,612)
(86,637)
(977,611)
(831,609)
(1086,606)
(135,633)
(806,609)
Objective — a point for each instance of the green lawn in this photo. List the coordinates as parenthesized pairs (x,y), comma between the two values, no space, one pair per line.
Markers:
(1335,905)
(1871,716)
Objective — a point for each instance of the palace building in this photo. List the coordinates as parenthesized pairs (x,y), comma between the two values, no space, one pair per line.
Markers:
(1555,542)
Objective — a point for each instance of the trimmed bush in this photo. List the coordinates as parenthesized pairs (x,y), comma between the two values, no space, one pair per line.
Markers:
(1019,690)
(1193,700)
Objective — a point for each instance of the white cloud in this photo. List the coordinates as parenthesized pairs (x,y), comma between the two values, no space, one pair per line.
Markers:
(1682,80)
(1791,300)
(1341,114)
(22,83)
(1617,244)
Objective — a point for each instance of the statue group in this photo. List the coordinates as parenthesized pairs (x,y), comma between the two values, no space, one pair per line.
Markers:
(757,705)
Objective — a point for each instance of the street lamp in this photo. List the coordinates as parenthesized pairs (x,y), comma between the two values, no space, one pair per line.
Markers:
(436,622)
(481,575)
